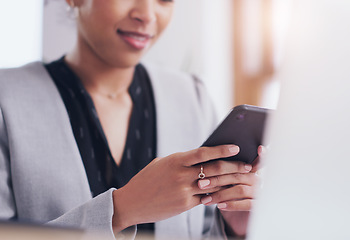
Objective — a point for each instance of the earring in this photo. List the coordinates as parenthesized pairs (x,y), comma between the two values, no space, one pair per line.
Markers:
(70,6)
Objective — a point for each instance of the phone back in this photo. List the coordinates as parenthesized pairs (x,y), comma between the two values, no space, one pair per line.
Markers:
(243,126)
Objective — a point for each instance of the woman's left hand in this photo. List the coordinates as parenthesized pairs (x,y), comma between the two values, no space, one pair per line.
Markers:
(236,196)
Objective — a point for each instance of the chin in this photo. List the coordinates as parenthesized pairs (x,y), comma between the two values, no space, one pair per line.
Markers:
(126,64)
(123,62)
(121,57)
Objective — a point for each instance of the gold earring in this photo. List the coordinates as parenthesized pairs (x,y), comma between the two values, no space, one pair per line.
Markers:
(70,6)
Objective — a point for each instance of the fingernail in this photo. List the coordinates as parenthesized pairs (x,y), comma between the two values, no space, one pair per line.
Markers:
(248,167)
(261,150)
(203,183)
(222,205)
(206,200)
(234,149)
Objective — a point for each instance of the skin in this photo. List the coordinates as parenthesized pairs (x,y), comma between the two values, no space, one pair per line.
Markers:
(101,56)
(105,63)
(236,201)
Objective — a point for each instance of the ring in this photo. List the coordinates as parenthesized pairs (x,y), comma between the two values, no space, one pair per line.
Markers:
(201,175)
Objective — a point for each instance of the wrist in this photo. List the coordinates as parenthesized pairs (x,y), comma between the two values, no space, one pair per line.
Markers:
(121,217)
(236,222)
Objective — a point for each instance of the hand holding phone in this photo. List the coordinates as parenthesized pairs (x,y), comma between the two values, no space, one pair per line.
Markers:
(244,127)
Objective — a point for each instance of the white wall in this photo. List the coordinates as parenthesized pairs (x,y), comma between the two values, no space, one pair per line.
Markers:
(217,52)
(21,32)
(281,16)
(58,30)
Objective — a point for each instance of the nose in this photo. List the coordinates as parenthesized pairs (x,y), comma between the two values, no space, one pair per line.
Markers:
(144,11)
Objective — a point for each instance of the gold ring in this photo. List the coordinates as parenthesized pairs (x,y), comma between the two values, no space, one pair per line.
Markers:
(201,175)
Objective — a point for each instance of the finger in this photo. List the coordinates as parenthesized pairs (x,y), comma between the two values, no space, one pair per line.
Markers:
(216,168)
(206,192)
(256,165)
(196,200)
(237,192)
(261,150)
(239,205)
(257,162)
(224,180)
(198,191)
(204,154)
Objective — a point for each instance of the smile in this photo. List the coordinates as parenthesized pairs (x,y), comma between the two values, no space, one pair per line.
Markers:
(136,40)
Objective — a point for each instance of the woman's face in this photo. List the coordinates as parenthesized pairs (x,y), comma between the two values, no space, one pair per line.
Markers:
(119,32)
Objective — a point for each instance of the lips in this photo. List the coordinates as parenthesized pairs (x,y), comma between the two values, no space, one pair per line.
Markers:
(136,40)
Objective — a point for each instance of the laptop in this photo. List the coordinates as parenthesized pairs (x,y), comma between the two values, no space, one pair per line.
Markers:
(305,191)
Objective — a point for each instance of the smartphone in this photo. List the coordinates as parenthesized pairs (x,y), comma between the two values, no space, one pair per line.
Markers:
(243,126)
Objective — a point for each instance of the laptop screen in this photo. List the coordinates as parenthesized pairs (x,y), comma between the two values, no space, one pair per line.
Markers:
(305,191)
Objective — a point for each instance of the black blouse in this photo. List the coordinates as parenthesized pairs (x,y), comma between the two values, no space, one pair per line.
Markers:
(140,147)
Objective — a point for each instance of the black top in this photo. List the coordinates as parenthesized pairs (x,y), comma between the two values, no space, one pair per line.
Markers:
(140,148)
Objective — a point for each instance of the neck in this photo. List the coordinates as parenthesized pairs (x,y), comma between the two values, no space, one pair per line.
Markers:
(98,76)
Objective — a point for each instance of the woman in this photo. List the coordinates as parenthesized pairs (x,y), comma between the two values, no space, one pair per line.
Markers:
(75,133)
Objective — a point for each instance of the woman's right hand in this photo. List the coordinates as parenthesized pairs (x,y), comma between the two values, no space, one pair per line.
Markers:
(169,186)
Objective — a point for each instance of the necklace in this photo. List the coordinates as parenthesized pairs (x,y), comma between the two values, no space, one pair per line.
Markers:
(111,95)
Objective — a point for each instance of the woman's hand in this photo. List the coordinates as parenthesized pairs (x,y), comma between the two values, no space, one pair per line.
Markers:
(168,186)
(236,198)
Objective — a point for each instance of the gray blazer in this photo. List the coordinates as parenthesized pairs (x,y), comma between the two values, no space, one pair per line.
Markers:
(42,176)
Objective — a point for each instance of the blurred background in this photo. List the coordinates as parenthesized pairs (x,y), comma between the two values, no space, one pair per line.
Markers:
(235,46)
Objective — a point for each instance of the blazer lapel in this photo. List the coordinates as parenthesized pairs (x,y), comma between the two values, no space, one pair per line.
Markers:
(42,145)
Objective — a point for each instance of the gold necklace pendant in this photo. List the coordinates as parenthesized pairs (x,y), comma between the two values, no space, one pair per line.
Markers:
(112,95)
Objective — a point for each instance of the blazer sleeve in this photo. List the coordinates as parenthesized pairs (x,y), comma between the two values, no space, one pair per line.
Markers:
(95,217)
(7,209)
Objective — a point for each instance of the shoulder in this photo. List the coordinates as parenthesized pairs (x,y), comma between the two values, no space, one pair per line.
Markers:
(23,74)
(166,75)
(13,73)
(174,80)
(25,83)
(182,91)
